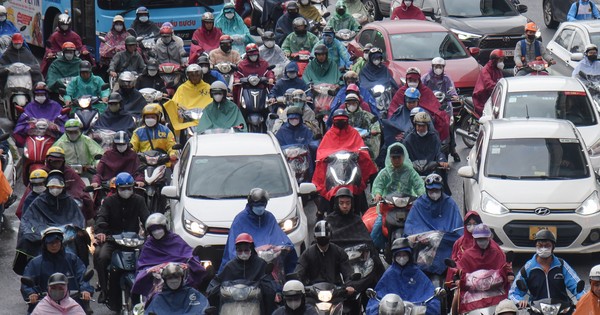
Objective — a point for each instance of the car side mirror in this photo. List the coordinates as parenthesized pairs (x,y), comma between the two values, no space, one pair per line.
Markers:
(466,172)
(521,8)
(326,14)
(170,192)
(307,188)
(474,51)
(371,294)
(576,57)
(521,285)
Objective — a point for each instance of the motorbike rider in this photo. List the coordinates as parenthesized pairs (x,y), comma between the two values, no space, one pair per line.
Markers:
(153,135)
(194,93)
(361,62)
(168,49)
(142,25)
(262,225)
(207,37)
(232,24)
(336,50)
(402,118)
(120,158)
(587,66)
(405,279)
(209,76)
(309,11)
(583,10)
(62,34)
(41,107)
(407,11)
(58,300)
(121,212)
(359,118)
(65,66)
(294,131)
(79,148)
(150,78)
(115,118)
(588,304)
(284,25)
(253,64)
(357,7)
(114,41)
(300,38)
(466,241)
(54,258)
(132,100)
(86,84)
(308,115)
(16,52)
(295,300)
(375,72)
(398,175)
(128,59)
(545,275)
(224,53)
(322,69)
(176,297)
(530,49)
(6,26)
(37,184)
(352,84)
(487,79)
(271,52)
(506,307)
(342,19)
(221,112)
(289,80)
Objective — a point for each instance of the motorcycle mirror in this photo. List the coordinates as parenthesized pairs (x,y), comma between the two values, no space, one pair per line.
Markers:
(27,281)
(177,146)
(355,276)
(211,310)
(4,136)
(199,251)
(291,276)
(371,294)
(510,256)
(24,27)
(326,14)
(271,67)
(102,39)
(132,32)
(522,286)
(233,67)
(152,54)
(580,286)
(62,91)
(97,156)
(105,86)
(139,38)
(92,171)
(88,275)
(88,189)
(195,42)
(273,116)
(450,263)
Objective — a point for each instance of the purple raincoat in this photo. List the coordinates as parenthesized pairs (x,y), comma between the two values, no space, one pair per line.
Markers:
(49,110)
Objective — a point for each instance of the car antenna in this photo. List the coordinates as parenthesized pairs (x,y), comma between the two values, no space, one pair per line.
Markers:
(526,111)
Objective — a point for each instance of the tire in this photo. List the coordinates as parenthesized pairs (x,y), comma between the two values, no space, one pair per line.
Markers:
(548,14)
(373,8)
(470,125)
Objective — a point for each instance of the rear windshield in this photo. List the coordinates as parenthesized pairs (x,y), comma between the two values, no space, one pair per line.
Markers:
(573,106)
(478,8)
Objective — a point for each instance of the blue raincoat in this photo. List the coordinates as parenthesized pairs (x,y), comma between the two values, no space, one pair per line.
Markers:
(236,28)
(586,67)
(340,98)
(372,75)
(8,28)
(337,52)
(264,230)
(428,215)
(286,83)
(185,301)
(288,134)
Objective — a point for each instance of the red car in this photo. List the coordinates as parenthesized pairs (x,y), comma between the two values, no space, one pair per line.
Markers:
(413,43)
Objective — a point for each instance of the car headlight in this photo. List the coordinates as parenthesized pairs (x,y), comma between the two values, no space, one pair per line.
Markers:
(193,225)
(590,206)
(290,224)
(465,35)
(491,206)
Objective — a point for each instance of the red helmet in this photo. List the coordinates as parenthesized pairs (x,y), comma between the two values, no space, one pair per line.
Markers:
(497,54)
(165,29)
(352,88)
(252,49)
(17,38)
(69,46)
(244,238)
(225,38)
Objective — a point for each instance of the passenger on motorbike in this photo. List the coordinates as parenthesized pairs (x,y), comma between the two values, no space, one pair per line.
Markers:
(232,24)
(402,118)
(405,279)
(322,69)
(487,79)
(121,212)
(150,78)
(37,184)
(284,24)
(6,26)
(466,241)
(85,84)
(262,225)
(65,66)
(167,49)
(41,107)
(300,38)
(176,297)
(207,37)
(120,158)
(308,115)
(289,80)
(61,35)
(224,53)
(587,66)
(375,72)
(530,49)
(295,300)
(545,275)
(309,11)
(294,131)
(54,258)
(342,19)
(221,112)
(398,176)
(194,93)
(132,100)
(351,84)
(588,304)
(209,76)
(361,119)
(153,135)
(115,118)
(336,50)
(361,62)
(271,52)
(142,25)
(114,41)
(79,148)
(253,64)
(58,300)
(128,59)
(407,11)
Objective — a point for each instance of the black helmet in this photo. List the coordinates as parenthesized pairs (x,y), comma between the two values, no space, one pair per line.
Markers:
(268,35)
(340,112)
(115,98)
(323,229)
(292,5)
(294,110)
(257,195)
(545,235)
(320,49)
(299,21)
(85,66)
(203,60)
(172,270)
(57,278)
(343,192)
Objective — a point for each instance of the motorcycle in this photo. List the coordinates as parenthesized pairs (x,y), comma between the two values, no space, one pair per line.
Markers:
(86,113)
(253,101)
(154,168)
(412,308)
(536,67)
(298,158)
(172,75)
(240,297)
(37,143)
(424,167)
(226,69)
(323,96)
(274,255)
(592,83)
(383,96)
(17,91)
(301,58)
(467,123)
(152,95)
(104,137)
(330,299)
(345,36)
(549,306)
(342,170)
(146,45)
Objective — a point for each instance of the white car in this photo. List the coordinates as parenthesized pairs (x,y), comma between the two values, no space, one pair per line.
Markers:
(524,175)
(548,97)
(213,178)
(569,41)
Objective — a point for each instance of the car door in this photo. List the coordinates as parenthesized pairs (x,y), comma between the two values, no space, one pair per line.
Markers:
(558,48)
(577,46)
(471,189)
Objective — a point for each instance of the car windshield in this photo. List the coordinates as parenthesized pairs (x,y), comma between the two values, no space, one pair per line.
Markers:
(222,177)
(426,46)
(537,158)
(478,8)
(573,106)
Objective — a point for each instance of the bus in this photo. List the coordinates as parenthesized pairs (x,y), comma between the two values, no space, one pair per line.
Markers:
(91,17)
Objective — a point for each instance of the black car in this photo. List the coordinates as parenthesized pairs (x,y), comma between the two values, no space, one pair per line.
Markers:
(555,11)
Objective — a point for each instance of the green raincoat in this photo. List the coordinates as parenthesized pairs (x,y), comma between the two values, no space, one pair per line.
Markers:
(61,68)
(225,115)
(346,21)
(404,180)
(359,63)
(81,151)
(236,28)
(294,43)
(327,72)
(356,6)
(364,120)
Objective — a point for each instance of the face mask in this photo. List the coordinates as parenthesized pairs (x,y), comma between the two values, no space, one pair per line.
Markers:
(592,57)
(38,189)
(407,3)
(152,72)
(244,255)
(422,134)
(17,46)
(225,48)
(293,304)
(150,122)
(300,32)
(259,209)
(55,191)
(144,18)
(299,104)
(69,56)
(483,243)
(118,28)
(377,62)
(253,58)
(531,37)
(438,71)
(2,18)
(401,260)
(294,121)
(73,137)
(269,44)
(218,97)
(64,27)
(229,15)
(435,196)
(40,99)
(352,108)
(158,234)
(470,228)
(57,294)
(292,75)
(174,283)
(114,108)
(366,56)
(204,70)
(341,124)
(322,241)
(341,11)
(500,65)
(413,84)
(125,193)
(166,39)
(543,252)
(122,147)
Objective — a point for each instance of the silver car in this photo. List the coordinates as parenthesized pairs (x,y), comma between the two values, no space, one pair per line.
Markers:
(569,41)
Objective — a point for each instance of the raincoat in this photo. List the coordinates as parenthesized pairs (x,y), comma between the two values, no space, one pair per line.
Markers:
(425,148)
(346,21)
(114,162)
(372,75)
(132,102)
(264,230)
(74,187)
(367,103)
(236,28)
(81,151)
(169,53)
(488,77)
(589,304)
(147,81)
(407,13)
(57,39)
(428,215)
(207,41)
(80,87)
(8,28)
(294,43)
(190,96)
(49,110)
(120,120)
(356,6)
(145,28)
(221,115)
(67,306)
(405,180)
(337,52)
(364,120)
(310,12)
(284,27)
(22,55)
(466,241)
(274,56)
(185,301)
(217,56)
(327,72)
(289,135)
(285,83)
(126,61)
(61,68)
(115,42)
(308,117)
(359,64)
(587,67)
(158,137)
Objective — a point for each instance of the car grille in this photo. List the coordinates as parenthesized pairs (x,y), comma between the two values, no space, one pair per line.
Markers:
(561,211)
(518,232)
(217,230)
(499,41)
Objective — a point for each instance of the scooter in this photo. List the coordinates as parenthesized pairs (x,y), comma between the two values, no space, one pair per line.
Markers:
(85,112)
(146,44)
(467,124)
(323,96)
(226,69)
(104,137)
(342,170)
(152,95)
(172,75)
(154,168)
(536,67)
(301,58)
(383,97)
(345,36)
(253,101)
(18,89)
(412,308)
(274,255)
(331,299)
(549,306)
(37,143)
(240,297)
(298,159)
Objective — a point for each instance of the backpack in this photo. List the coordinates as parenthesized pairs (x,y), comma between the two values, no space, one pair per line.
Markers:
(591,7)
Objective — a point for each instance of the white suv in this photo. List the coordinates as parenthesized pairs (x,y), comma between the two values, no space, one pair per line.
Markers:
(211,183)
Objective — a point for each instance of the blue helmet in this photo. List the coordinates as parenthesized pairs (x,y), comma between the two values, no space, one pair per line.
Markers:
(124,179)
(413,93)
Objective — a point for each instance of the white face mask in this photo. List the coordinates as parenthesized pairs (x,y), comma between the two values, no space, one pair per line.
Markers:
(292,75)
(150,122)
(17,46)
(40,99)
(64,27)
(118,28)
(377,62)
(125,194)
(69,56)
(229,15)
(294,121)
(144,18)
(435,196)
(352,108)
(269,44)
(366,56)
(121,147)
(204,70)
(158,234)
(38,189)
(253,58)
(543,252)
(438,71)
(422,134)
(2,18)
(245,255)
(483,243)
(218,97)
(401,260)
(413,84)
(173,283)
(152,72)
(55,191)
(407,3)
(470,228)
(294,304)
(500,65)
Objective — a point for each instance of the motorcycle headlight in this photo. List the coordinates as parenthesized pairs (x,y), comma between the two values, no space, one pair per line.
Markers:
(465,35)
(193,225)
(151,160)
(325,296)
(590,206)
(378,89)
(254,80)
(84,102)
(549,309)
(290,224)
(491,206)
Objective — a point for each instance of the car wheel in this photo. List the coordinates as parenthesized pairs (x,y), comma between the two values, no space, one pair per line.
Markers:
(548,15)
(373,8)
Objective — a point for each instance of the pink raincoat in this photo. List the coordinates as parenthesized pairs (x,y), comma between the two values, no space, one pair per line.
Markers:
(67,306)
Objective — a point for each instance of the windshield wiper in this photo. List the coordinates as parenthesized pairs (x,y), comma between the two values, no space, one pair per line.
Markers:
(503,176)
(543,177)
(202,196)
(232,197)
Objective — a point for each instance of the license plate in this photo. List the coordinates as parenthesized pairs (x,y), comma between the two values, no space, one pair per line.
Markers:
(534,229)
(509,53)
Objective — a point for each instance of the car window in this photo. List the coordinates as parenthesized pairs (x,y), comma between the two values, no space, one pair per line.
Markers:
(564,38)
(426,46)
(379,41)
(479,149)
(496,100)
(478,8)
(577,45)
(366,37)
(595,38)
(185,155)
(574,106)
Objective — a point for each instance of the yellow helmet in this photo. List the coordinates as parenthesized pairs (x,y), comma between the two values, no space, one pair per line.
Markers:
(56,152)
(38,176)
(152,109)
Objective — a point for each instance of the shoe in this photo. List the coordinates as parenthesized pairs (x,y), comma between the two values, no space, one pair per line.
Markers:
(456,157)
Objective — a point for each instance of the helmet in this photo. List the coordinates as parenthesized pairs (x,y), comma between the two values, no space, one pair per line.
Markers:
(589,47)
(352,96)
(506,306)
(298,96)
(38,176)
(156,219)
(68,46)
(400,243)
(367,47)
(130,40)
(343,192)
(203,60)
(208,17)
(244,238)
(413,70)
(293,287)
(413,93)
(391,304)
(218,86)
(124,179)
(118,18)
(416,110)
(56,178)
(292,5)
(299,21)
(351,75)
(57,152)
(496,54)
(294,110)
(252,49)
(595,273)
(152,109)
(340,113)
(152,64)
(64,19)
(72,124)
(53,230)
(166,30)
(257,195)
(268,35)
(225,39)
(531,27)
(17,38)
(320,49)
(323,229)
(126,79)
(545,235)
(328,29)
(172,270)
(193,68)
(57,278)
(85,66)
(482,231)
(352,88)
(121,137)
(438,61)
(422,118)
(115,98)
(433,181)
(142,10)
(3,10)
(41,87)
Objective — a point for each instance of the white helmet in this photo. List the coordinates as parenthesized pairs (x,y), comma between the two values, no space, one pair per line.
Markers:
(293,287)
(193,68)
(506,306)
(589,47)
(64,19)
(2,10)
(438,61)
(595,273)
(391,304)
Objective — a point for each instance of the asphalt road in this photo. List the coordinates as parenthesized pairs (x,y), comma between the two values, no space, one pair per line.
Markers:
(12,302)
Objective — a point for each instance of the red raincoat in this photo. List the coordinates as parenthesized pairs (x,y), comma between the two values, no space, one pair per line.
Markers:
(488,77)
(404,13)
(56,40)
(207,41)
(246,68)
(466,241)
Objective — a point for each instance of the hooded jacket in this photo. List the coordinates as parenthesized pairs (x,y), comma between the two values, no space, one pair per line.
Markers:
(284,27)
(207,41)
(345,21)
(336,51)
(115,42)
(132,102)
(49,110)
(486,81)
(126,61)
(82,151)
(236,28)
(92,86)
(407,13)
(587,67)
(217,56)
(428,215)
(115,121)
(330,266)
(427,147)
(170,52)
(294,43)
(404,180)
(121,215)
(327,72)
(61,68)
(466,241)
(191,95)
(371,75)
(308,119)
(273,56)
(289,135)
(114,162)
(145,29)
(221,115)
(184,301)
(285,83)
